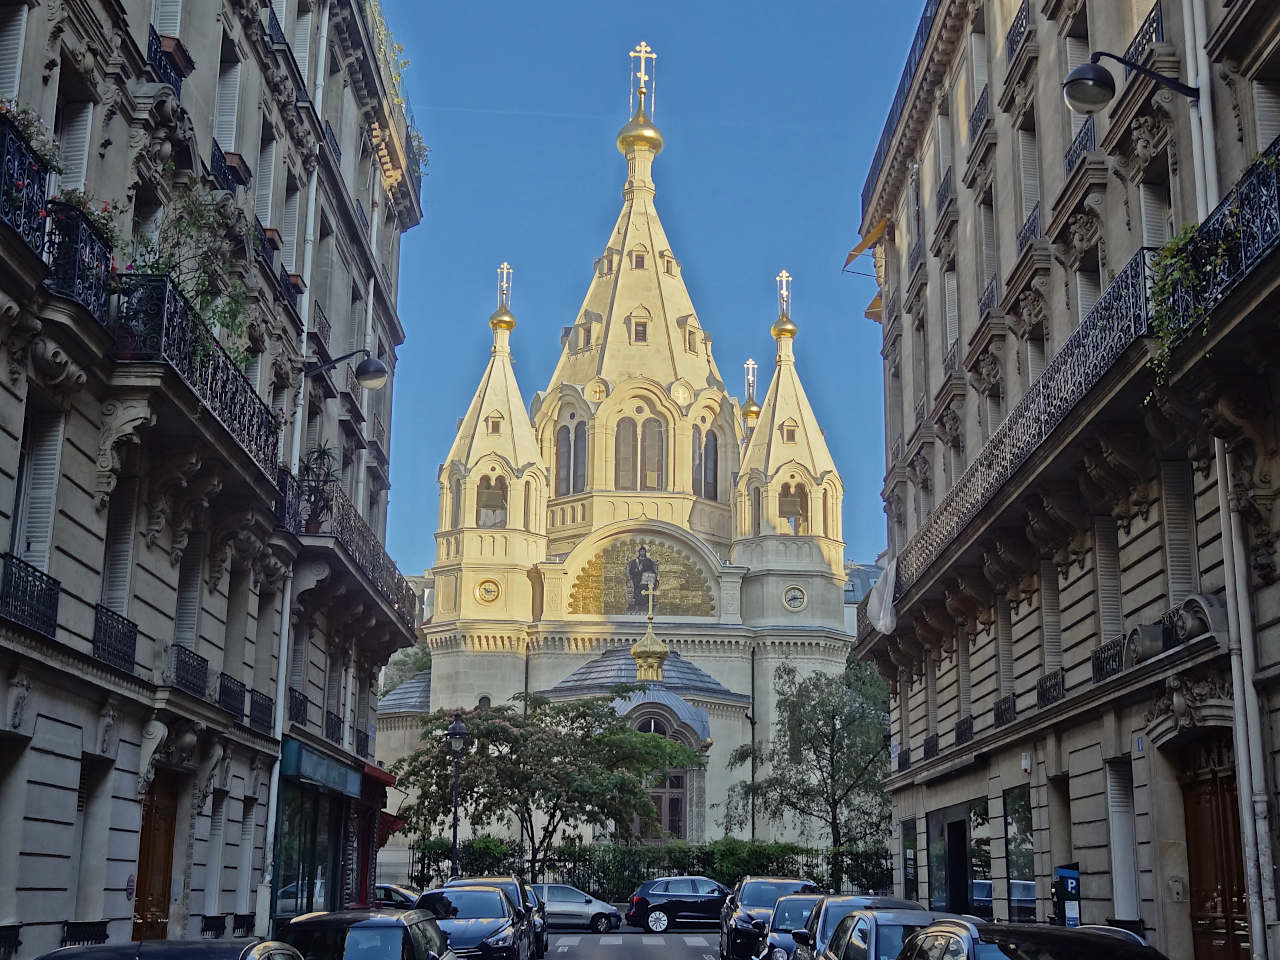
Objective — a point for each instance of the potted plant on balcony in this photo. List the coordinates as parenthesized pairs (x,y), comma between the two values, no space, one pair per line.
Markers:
(317,473)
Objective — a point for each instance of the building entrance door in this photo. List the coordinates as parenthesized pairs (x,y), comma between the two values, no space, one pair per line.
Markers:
(155,858)
(1219,913)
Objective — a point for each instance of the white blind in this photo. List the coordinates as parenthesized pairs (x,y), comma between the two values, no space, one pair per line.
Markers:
(38,490)
(13,31)
(1029,162)
(1266,111)
(298,658)
(186,620)
(1050,617)
(302,44)
(942,129)
(931,689)
(1181,561)
(957,463)
(995,411)
(1106,560)
(964,690)
(313,429)
(952,304)
(1124,854)
(117,559)
(280,8)
(988,243)
(1004,645)
(1154,206)
(226,101)
(73,143)
(264,179)
(1077,54)
(333,685)
(978,57)
(166,17)
(1035,359)
(1088,290)
(289,229)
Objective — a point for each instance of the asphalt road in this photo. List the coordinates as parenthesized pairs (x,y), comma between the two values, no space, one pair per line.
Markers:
(695,943)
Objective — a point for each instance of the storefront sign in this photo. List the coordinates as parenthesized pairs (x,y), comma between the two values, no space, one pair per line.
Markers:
(297,760)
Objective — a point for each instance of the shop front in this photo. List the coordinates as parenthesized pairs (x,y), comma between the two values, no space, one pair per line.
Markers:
(959,839)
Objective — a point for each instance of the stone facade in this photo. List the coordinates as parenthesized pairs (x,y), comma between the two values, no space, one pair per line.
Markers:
(158,566)
(1058,431)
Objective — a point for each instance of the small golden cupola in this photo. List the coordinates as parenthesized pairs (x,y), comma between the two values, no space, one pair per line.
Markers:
(750,409)
(640,129)
(502,318)
(784,326)
(649,652)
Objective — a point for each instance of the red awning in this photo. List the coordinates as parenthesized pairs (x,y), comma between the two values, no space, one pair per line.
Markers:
(388,823)
(379,775)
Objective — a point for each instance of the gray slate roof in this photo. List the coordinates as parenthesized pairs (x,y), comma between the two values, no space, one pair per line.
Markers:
(693,717)
(616,666)
(412,696)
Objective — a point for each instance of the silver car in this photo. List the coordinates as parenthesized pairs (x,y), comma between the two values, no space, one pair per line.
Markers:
(569,907)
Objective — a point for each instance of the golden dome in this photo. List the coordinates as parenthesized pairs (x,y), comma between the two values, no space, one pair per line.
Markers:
(751,409)
(640,129)
(650,654)
(502,319)
(783,327)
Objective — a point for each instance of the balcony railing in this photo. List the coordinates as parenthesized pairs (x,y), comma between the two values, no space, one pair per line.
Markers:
(1017,31)
(363,218)
(922,408)
(262,246)
(895,449)
(29,596)
(891,308)
(904,759)
(1030,229)
(1108,658)
(331,139)
(987,302)
(288,502)
(261,711)
(83,933)
(931,746)
(915,257)
(964,730)
(946,192)
(1118,319)
(115,638)
(351,384)
(79,260)
(190,671)
(380,433)
(299,707)
(369,554)
(979,114)
(321,326)
(154,321)
(332,727)
(23,176)
(274,31)
(1082,144)
(220,170)
(213,926)
(231,695)
(242,924)
(288,292)
(1150,33)
(161,63)
(1006,710)
(1051,688)
(951,359)
(362,743)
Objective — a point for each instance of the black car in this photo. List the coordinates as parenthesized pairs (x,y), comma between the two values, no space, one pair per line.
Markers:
(748,911)
(394,896)
(367,935)
(876,934)
(958,938)
(828,914)
(657,904)
(480,921)
(252,948)
(790,914)
(514,890)
(541,929)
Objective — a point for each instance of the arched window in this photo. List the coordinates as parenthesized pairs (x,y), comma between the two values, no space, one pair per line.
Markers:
(564,454)
(652,725)
(755,512)
(455,504)
(697,461)
(669,795)
(711,467)
(624,455)
(491,502)
(653,468)
(826,513)
(793,508)
(528,505)
(580,457)
(484,703)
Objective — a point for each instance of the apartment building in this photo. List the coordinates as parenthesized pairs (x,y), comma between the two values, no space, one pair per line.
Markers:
(1080,465)
(200,207)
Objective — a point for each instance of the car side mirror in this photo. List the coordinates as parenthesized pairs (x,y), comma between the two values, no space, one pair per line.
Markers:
(586,899)
(760,925)
(801,938)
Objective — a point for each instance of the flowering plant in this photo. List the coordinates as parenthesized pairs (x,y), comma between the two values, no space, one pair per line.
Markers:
(100,213)
(33,130)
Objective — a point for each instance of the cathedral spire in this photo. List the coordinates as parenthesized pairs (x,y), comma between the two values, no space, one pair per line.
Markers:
(640,140)
(784,328)
(750,409)
(501,321)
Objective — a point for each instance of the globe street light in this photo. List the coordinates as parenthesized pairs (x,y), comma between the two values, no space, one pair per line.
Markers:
(1090,87)
(370,372)
(456,734)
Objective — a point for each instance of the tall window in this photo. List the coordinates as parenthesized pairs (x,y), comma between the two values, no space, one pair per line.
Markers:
(580,457)
(1266,111)
(491,502)
(117,561)
(239,593)
(1004,645)
(951,305)
(289,227)
(1106,563)
(564,458)
(793,508)
(653,472)
(186,619)
(669,796)
(226,97)
(38,486)
(1123,837)
(166,17)
(755,512)
(1050,617)
(455,503)
(711,466)
(302,44)
(1077,51)
(697,460)
(13,31)
(987,221)
(1029,168)
(826,513)
(1180,541)
(624,455)
(264,176)
(72,125)
(528,505)
(1154,204)
(1019,852)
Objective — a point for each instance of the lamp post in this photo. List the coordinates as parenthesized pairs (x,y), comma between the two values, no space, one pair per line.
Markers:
(457,737)
(1090,87)
(371,372)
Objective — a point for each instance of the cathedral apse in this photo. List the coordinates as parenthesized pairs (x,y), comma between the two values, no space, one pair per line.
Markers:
(616,581)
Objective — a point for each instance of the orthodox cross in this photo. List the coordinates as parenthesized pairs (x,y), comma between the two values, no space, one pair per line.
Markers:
(642,52)
(650,592)
(504,284)
(750,368)
(784,292)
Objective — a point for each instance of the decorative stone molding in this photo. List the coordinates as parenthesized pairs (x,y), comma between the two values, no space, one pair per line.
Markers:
(1148,135)
(106,743)
(234,535)
(1030,316)
(950,427)
(1118,472)
(154,735)
(123,420)
(920,470)
(20,328)
(1196,698)
(160,133)
(192,510)
(207,773)
(55,370)
(171,478)
(987,376)
(1178,427)
(19,712)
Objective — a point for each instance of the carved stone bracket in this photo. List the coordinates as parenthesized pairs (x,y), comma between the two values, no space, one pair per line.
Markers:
(192,510)
(56,371)
(1196,698)
(154,735)
(951,425)
(19,329)
(171,478)
(122,423)
(234,536)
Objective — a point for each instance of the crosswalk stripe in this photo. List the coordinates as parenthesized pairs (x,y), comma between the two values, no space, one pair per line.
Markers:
(570,941)
(610,941)
(653,941)
(695,941)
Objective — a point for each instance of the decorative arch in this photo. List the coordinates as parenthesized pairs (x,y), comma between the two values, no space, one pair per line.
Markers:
(653,454)
(625,455)
(711,466)
(455,503)
(563,459)
(793,508)
(491,501)
(578,479)
(697,460)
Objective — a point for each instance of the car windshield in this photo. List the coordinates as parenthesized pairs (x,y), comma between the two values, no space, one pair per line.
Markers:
(463,904)
(793,913)
(349,943)
(889,938)
(835,912)
(1067,950)
(765,893)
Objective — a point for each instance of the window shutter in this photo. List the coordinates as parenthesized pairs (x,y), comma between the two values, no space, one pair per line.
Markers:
(988,242)
(1181,561)
(280,8)
(1088,291)
(995,412)
(1077,49)
(957,464)
(13,32)
(252,368)
(166,17)
(313,429)
(943,131)
(931,690)
(697,461)
(118,555)
(39,491)
(186,620)
(1029,160)
(964,689)
(73,143)
(1106,561)
(952,306)
(978,56)
(289,228)
(1266,111)
(1050,617)
(225,103)
(333,685)
(1004,645)
(1124,856)
(1155,215)
(302,44)
(1035,359)
(264,180)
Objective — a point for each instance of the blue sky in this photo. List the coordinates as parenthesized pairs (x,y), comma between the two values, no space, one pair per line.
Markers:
(770,112)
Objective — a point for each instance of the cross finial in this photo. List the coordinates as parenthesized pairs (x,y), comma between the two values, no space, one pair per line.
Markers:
(504,284)
(750,369)
(650,592)
(784,293)
(642,52)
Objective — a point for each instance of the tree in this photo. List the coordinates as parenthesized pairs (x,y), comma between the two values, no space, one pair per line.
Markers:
(405,663)
(554,767)
(826,761)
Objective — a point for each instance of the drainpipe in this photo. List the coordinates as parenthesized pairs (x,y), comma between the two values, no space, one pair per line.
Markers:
(753,742)
(1197,126)
(366,396)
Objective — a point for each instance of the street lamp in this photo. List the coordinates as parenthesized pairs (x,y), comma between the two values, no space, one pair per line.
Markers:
(1090,87)
(457,737)
(371,372)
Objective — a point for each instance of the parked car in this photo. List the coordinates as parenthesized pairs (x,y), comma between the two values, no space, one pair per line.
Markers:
(541,932)
(748,910)
(514,890)
(827,915)
(367,935)
(790,914)
(394,896)
(657,904)
(972,940)
(252,948)
(569,907)
(1022,897)
(481,920)
(874,934)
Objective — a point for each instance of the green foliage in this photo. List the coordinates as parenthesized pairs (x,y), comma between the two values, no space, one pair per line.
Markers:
(317,472)
(405,663)
(100,213)
(33,130)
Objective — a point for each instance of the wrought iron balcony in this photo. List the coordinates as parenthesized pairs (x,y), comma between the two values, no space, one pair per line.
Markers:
(891,308)
(979,115)
(332,727)
(161,63)
(299,707)
(23,176)
(964,730)
(190,671)
(9,940)
(1119,318)
(262,246)
(320,326)
(363,218)
(1051,688)
(895,449)
(951,359)
(154,321)
(904,759)
(380,433)
(922,407)
(915,257)
(288,292)
(1030,229)
(931,746)
(362,743)
(1108,658)
(1006,710)
(220,170)
(331,139)
(288,502)
(1149,34)
(213,926)
(1082,144)
(261,711)
(242,924)
(29,596)
(987,302)
(83,933)
(946,192)
(79,260)
(366,549)
(351,386)
(1017,31)
(115,638)
(231,695)
(274,31)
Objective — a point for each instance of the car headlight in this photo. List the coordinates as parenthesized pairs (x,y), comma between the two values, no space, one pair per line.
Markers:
(502,938)
(778,954)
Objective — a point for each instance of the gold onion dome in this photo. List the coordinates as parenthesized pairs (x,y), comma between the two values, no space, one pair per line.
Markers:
(640,129)
(783,327)
(502,319)
(751,409)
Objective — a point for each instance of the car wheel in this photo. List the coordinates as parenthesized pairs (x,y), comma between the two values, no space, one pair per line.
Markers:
(657,921)
(600,923)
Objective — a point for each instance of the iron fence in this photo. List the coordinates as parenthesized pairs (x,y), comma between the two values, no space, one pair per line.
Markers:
(299,707)
(219,170)
(332,727)
(231,694)
(931,746)
(23,176)
(1149,34)
(79,260)
(288,502)
(1006,710)
(964,730)
(161,63)
(261,711)
(369,554)
(1030,229)
(980,114)
(29,596)
(1013,40)
(1081,144)
(1051,688)
(190,671)
(115,638)
(1107,659)
(83,933)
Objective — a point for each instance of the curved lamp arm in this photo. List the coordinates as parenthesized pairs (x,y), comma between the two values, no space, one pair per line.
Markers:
(1176,85)
(311,368)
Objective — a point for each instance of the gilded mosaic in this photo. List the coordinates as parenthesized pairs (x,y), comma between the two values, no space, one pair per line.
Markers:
(616,581)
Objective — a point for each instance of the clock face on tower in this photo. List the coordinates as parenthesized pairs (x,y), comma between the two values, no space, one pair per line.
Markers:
(794,598)
(487,591)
